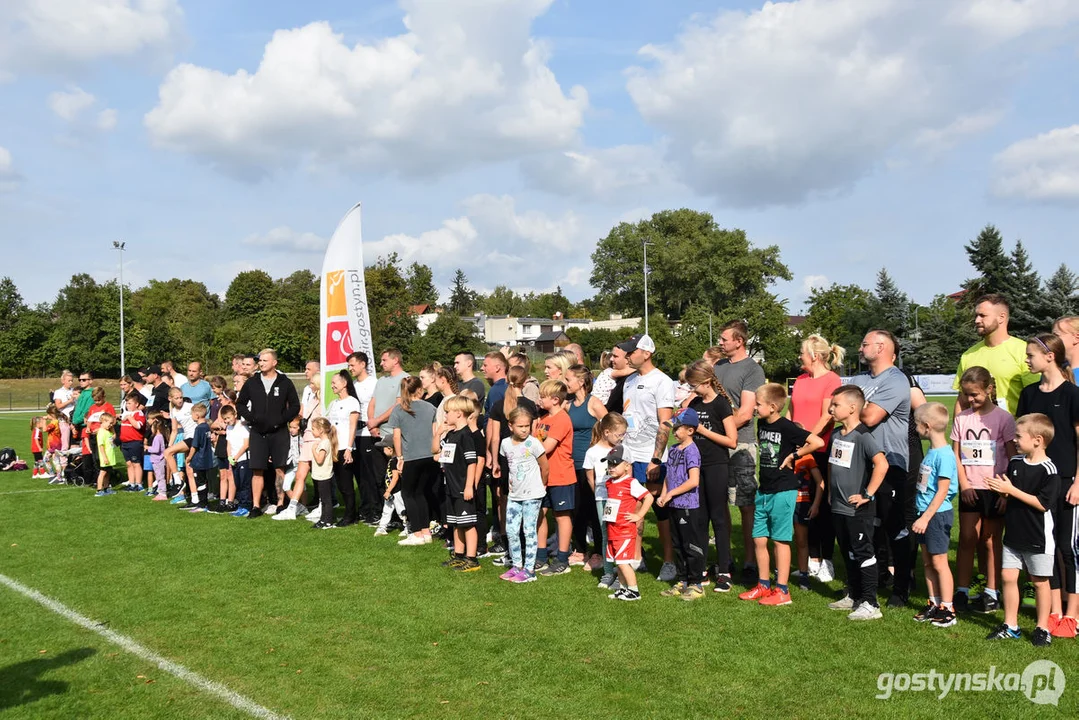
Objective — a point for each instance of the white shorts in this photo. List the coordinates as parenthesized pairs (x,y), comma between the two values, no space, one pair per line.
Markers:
(1039,564)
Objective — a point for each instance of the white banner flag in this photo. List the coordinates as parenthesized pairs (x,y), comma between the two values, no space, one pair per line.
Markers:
(344,321)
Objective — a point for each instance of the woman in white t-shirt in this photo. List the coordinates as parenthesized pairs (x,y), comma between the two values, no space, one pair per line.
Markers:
(344,415)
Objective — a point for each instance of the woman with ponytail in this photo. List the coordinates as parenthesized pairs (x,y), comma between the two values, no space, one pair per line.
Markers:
(1067,329)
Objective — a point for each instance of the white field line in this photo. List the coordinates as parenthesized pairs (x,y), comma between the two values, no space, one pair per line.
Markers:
(20,492)
(191,678)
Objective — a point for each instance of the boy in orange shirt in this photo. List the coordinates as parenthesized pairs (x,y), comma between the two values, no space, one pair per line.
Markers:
(555,431)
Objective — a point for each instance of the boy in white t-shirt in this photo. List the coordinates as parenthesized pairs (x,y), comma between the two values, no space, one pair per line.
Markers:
(237,437)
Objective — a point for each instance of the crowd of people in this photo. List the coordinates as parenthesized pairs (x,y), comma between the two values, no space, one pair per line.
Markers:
(540,477)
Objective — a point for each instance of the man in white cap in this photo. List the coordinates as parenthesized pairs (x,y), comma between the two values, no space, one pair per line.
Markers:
(648,404)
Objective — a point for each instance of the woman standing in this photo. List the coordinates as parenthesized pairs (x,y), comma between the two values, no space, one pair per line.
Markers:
(445,383)
(585,411)
(413,424)
(431,393)
(1067,329)
(555,366)
(344,415)
(810,398)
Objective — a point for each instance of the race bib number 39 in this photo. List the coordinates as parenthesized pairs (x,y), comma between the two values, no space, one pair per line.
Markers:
(610,510)
(842,453)
(976,452)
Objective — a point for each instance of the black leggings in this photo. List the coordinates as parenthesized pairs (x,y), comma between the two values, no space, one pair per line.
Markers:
(1066,534)
(690,539)
(585,516)
(417,480)
(821,527)
(892,499)
(713,497)
(342,474)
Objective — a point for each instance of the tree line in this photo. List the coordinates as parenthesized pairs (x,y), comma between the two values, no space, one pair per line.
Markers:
(700,275)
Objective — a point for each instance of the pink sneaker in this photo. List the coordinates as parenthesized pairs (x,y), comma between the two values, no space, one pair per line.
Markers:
(576,559)
(510,575)
(595,562)
(161,497)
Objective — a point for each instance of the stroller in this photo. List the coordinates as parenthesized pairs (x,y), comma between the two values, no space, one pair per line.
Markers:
(73,470)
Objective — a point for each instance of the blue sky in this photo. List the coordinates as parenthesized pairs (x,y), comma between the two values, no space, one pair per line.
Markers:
(507,136)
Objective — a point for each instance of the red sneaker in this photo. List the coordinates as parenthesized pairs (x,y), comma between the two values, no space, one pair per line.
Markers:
(1054,619)
(755,594)
(1065,628)
(776,597)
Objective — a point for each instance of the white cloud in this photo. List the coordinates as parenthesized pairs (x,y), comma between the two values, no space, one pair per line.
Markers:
(285,239)
(106,120)
(803,98)
(1043,168)
(600,174)
(63,35)
(465,84)
(810,282)
(9,178)
(938,140)
(68,105)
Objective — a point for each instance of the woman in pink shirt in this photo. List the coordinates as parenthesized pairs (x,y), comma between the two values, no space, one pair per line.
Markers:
(810,398)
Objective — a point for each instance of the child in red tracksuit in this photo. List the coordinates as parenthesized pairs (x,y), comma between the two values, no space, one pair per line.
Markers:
(37,447)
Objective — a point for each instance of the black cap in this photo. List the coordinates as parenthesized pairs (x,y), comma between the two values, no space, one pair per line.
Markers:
(615,456)
(152,370)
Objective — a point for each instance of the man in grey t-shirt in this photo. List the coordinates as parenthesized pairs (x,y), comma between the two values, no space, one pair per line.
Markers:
(464,364)
(740,376)
(387,393)
(887,415)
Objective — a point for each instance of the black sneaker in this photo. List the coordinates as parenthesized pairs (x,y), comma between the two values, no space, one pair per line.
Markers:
(255,513)
(452,562)
(929,612)
(625,594)
(1003,632)
(555,568)
(1040,638)
(895,601)
(749,575)
(503,561)
(540,565)
(986,604)
(803,581)
(320,525)
(723,583)
(345,522)
(497,549)
(961,602)
(943,617)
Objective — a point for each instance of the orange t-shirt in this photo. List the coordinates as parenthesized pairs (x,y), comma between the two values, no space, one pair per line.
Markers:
(559,428)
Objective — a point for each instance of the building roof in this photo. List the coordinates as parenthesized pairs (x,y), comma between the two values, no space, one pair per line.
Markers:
(551,336)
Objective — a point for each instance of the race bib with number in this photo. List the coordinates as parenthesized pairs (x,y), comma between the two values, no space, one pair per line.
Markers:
(923,477)
(449,452)
(842,453)
(977,452)
(610,510)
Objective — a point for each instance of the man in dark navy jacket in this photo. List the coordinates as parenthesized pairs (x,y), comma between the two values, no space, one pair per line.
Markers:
(267,402)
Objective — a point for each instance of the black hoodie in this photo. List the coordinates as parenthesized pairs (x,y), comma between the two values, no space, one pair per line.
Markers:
(264,412)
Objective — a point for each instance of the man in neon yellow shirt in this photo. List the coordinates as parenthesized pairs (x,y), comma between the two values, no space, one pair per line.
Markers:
(1004,356)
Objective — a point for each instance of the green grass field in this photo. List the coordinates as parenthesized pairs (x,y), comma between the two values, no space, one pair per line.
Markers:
(343,624)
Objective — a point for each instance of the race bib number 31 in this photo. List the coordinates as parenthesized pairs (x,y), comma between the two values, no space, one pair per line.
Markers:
(977,452)
(842,453)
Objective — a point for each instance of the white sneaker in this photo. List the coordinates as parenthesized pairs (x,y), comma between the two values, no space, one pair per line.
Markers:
(412,540)
(288,513)
(865,611)
(844,603)
(814,567)
(314,514)
(404,533)
(301,510)
(380,531)
(825,572)
(269,510)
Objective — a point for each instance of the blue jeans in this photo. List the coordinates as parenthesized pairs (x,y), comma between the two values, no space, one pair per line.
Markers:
(522,516)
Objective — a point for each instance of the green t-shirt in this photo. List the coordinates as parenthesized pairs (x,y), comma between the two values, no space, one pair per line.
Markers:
(1007,363)
(108,454)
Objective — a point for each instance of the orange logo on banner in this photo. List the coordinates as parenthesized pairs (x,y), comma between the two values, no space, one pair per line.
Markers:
(336,302)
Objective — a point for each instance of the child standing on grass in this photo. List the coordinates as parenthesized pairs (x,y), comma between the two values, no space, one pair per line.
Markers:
(807,507)
(458,457)
(132,427)
(606,434)
(627,503)
(37,446)
(1031,487)
(238,436)
(937,486)
(109,459)
(526,459)
(391,499)
(202,461)
(155,451)
(983,439)
(555,431)
(322,457)
(687,521)
(781,443)
(856,469)
(54,444)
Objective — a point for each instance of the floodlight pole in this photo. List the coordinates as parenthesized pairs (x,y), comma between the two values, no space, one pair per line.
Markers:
(117,245)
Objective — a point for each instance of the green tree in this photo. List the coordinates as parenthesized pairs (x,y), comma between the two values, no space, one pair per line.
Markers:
(945,330)
(81,318)
(690,259)
(448,335)
(248,294)
(545,305)
(987,257)
(891,309)
(392,323)
(421,285)
(1061,295)
(595,342)
(841,314)
(502,300)
(1024,293)
(463,299)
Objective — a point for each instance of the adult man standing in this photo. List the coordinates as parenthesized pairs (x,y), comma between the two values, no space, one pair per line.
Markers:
(248,365)
(178,380)
(620,370)
(740,376)
(159,393)
(1004,356)
(577,350)
(267,402)
(365,470)
(84,399)
(386,395)
(495,366)
(197,390)
(464,364)
(887,415)
(648,406)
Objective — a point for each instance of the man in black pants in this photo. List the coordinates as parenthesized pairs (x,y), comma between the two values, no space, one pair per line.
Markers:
(369,463)
(268,401)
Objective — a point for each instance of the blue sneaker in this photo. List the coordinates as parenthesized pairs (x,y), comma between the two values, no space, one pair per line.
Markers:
(100,493)
(241,512)
(177,499)
(1003,632)
(109,491)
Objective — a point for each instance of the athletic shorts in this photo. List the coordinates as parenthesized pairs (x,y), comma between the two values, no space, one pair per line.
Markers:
(985,505)
(773,516)
(266,451)
(801,512)
(621,550)
(1038,564)
(742,475)
(133,451)
(223,464)
(560,498)
(147,463)
(938,534)
(640,473)
(461,513)
(190,442)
